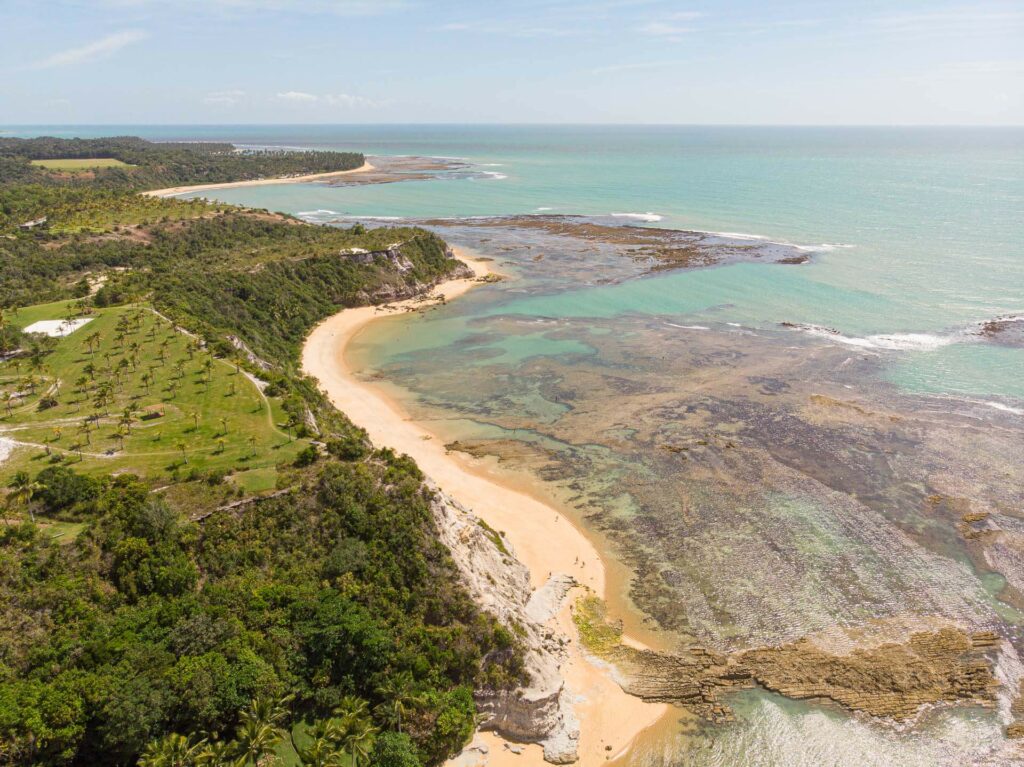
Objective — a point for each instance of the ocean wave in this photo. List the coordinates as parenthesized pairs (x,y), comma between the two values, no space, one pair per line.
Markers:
(687,327)
(737,235)
(1006,408)
(920,342)
(493,175)
(824,247)
(543,209)
(320,212)
(366,217)
(648,217)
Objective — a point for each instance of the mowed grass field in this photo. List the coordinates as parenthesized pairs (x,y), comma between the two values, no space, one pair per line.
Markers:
(111,377)
(73,164)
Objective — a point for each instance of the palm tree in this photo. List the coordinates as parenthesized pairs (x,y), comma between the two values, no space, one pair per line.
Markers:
(323,751)
(93,341)
(172,750)
(219,753)
(126,420)
(223,425)
(181,447)
(398,697)
(257,739)
(359,741)
(260,727)
(352,706)
(22,490)
(9,402)
(84,429)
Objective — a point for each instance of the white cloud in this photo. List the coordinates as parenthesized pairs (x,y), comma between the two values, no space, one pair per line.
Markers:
(348,100)
(298,97)
(613,68)
(665,30)
(336,7)
(686,15)
(98,49)
(226,98)
(345,100)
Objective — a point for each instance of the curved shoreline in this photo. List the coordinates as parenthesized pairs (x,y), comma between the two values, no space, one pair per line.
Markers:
(174,191)
(543,539)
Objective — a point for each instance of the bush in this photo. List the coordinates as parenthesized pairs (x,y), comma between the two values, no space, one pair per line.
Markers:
(394,749)
(350,447)
(307,456)
(66,494)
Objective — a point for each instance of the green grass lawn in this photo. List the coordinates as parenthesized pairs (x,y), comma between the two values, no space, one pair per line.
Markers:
(214,418)
(72,164)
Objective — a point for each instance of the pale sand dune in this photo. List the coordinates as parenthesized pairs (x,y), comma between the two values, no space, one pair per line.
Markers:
(173,191)
(544,540)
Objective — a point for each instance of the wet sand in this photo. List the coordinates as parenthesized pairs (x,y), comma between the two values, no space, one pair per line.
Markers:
(543,539)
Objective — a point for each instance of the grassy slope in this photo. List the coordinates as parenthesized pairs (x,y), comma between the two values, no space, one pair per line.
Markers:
(252,436)
(72,164)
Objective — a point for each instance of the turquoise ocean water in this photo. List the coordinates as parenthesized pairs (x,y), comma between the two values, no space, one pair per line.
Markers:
(922,228)
(916,235)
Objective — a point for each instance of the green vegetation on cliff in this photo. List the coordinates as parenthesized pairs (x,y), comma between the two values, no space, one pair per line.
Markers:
(155,604)
(142,164)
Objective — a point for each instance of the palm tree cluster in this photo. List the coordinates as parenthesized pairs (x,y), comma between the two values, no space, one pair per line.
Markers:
(344,740)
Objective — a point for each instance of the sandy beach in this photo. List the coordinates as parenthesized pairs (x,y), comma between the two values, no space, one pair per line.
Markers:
(173,191)
(543,539)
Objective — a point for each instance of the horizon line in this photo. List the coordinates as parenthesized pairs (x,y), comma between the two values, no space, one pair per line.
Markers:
(503,124)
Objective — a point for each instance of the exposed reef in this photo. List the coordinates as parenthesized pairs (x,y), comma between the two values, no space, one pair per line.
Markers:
(655,247)
(890,670)
(1005,331)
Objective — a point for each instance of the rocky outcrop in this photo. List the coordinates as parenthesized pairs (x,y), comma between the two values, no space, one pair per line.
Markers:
(890,670)
(1006,331)
(402,288)
(541,710)
(248,353)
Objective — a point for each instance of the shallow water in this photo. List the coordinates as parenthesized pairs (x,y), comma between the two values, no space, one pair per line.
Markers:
(758,481)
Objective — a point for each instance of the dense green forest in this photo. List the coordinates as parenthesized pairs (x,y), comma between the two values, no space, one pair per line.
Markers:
(150,165)
(320,624)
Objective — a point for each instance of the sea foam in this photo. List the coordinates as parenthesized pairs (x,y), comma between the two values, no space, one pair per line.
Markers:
(648,217)
(1005,408)
(920,342)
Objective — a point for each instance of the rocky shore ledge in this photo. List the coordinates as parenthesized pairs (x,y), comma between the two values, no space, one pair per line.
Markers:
(889,670)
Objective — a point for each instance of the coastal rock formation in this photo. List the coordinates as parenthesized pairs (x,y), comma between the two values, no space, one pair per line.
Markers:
(656,248)
(888,670)
(1005,331)
(401,288)
(541,711)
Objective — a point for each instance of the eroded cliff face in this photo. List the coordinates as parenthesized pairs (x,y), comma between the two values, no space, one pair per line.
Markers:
(540,711)
(403,286)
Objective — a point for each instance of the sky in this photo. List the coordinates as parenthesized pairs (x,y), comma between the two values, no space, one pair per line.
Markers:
(523,61)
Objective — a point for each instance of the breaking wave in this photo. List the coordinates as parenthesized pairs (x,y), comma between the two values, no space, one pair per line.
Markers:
(648,217)
(918,342)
